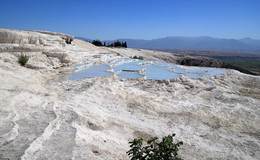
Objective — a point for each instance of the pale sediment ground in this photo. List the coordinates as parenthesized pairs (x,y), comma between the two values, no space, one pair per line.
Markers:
(45,116)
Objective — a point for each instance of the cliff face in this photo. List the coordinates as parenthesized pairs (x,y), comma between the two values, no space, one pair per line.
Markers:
(45,116)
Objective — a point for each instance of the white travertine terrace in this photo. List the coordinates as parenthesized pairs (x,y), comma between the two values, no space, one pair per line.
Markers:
(45,116)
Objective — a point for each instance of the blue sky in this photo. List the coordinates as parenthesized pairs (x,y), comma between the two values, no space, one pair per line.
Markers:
(141,19)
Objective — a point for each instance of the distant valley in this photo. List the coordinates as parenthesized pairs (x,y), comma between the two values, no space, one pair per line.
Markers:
(194,43)
(243,53)
(244,60)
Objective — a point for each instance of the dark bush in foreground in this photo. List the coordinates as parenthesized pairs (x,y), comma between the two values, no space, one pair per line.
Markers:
(23,59)
(154,150)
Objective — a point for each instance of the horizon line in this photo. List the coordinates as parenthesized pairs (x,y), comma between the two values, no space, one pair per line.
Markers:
(168,37)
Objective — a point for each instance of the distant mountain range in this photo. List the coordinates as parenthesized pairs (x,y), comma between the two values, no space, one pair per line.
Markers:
(194,43)
(84,39)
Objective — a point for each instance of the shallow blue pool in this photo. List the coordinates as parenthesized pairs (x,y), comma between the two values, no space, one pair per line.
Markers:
(204,72)
(125,75)
(157,72)
(93,71)
(133,66)
(130,68)
(193,75)
(177,69)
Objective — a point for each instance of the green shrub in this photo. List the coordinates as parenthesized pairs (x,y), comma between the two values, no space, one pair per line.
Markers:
(154,150)
(23,59)
(140,57)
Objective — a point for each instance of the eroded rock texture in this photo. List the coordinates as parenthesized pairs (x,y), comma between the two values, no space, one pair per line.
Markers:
(45,116)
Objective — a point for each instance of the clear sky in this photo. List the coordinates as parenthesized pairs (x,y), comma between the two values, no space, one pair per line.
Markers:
(141,19)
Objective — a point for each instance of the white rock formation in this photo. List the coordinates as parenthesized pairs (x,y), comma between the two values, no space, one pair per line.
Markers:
(36,43)
(68,39)
(45,116)
(30,37)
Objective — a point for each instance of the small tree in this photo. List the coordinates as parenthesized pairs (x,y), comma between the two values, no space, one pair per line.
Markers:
(97,42)
(154,150)
(117,44)
(124,44)
(23,59)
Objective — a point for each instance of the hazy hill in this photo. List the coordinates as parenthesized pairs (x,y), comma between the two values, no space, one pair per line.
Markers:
(251,42)
(195,43)
(199,43)
(84,39)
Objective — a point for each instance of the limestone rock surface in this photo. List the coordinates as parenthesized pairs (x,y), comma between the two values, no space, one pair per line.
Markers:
(30,37)
(35,43)
(43,115)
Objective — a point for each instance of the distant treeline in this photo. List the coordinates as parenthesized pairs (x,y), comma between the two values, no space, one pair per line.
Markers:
(115,44)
